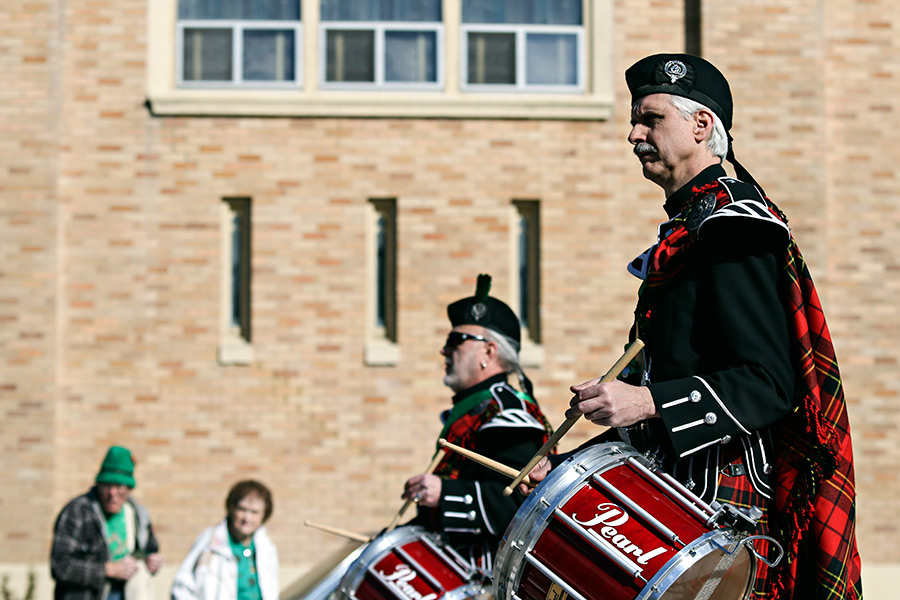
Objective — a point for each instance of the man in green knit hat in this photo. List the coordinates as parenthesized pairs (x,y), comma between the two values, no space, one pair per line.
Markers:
(103,542)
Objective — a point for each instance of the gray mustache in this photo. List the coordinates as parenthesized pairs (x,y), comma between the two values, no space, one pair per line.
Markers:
(645,148)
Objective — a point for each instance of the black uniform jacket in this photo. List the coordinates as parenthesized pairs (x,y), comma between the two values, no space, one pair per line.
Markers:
(473,511)
(717,355)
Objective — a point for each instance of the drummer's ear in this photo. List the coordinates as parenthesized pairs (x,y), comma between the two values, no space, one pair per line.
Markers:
(491,349)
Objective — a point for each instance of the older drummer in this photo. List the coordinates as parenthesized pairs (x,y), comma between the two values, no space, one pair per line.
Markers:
(488,416)
(728,396)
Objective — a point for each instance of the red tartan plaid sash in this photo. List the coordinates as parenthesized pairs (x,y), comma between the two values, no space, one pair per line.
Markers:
(815,497)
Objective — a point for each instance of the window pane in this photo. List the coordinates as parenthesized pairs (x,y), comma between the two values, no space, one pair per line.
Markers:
(236,271)
(273,10)
(529,12)
(351,55)
(410,56)
(523,271)
(268,55)
(207,54)
(551,59)
(492,58)
(381,10)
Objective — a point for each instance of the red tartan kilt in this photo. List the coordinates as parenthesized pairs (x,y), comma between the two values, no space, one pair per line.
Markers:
(739,492)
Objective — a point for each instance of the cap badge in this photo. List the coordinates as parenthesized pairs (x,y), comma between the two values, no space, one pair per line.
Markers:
(675,69)
(478,311)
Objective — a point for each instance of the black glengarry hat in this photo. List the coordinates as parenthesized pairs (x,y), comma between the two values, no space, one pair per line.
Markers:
(691,77)
(682,75)
(482,309)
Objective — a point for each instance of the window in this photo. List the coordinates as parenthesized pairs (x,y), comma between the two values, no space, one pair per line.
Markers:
(238,43)
(523,45)
(381,329)
(469,59)
(235,333)
(527,232)
(381,43)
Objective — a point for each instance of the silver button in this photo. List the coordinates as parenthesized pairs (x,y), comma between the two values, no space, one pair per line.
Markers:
(689,484)
(767,468)
(695,396)
(471,516)
(725,438)
(468,499)
(710,418)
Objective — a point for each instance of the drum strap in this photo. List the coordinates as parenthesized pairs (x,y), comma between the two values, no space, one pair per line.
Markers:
(464,406)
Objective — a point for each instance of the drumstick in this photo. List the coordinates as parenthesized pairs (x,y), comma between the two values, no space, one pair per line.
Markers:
(630,352)
(485,461)
(341,532)
(434,463)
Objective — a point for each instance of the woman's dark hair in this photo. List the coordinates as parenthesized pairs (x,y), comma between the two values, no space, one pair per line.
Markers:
(242,489)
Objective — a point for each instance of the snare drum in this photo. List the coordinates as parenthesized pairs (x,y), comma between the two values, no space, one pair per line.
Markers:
(410,563)
(604,526)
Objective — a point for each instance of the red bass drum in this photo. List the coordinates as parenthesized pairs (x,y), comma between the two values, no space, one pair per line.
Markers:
(605,525)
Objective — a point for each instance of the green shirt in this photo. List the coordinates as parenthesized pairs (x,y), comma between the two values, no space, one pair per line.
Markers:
(247,581)
(116,536)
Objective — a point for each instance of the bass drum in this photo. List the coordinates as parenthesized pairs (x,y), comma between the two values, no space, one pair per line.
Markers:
(410,563)
(604,526)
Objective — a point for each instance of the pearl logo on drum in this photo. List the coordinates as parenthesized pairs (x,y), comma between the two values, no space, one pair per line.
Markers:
(399,581)
(611,517)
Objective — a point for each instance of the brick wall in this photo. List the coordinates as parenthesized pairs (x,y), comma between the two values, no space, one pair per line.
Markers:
(28,274)
(110,252)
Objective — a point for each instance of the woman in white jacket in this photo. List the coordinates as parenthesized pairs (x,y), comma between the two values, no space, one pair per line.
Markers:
(234,560)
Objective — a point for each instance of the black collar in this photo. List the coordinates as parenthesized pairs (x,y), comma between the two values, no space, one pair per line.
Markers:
(481,385)
(679,198)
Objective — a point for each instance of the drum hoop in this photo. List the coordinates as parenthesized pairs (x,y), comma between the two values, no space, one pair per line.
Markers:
(556,489)
(691,554)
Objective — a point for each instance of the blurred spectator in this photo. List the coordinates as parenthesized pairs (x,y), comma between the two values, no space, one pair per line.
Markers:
(234,560)
(103,542)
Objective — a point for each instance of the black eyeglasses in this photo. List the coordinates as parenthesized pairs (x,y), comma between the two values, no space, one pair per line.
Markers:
(455,338)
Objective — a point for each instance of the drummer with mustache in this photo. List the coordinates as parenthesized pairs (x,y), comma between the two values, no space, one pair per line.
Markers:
(738,393)
(460,498)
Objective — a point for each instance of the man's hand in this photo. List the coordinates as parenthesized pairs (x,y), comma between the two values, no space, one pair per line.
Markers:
(424,490)
(536,475)
(614,404)
(122,569)
(154,562)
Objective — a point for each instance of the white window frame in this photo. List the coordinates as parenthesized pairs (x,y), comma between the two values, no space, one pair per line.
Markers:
(312,99)
(237,46)
(380,28)
(521,32)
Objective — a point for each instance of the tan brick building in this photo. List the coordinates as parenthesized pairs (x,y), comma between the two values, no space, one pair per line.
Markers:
(119,165)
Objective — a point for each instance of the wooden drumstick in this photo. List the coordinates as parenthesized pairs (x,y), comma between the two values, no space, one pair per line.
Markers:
(341,532)
(434,463)
(485,461)
(630,352)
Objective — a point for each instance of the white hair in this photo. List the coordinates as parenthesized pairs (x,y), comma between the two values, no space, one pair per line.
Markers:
(718,139)
(507,354)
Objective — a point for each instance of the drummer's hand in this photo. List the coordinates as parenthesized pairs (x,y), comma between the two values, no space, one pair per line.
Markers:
(426,487)
(614,403)
(536,475)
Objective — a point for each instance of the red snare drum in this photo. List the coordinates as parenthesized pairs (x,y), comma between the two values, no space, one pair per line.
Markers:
(603,526)
(410,563)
